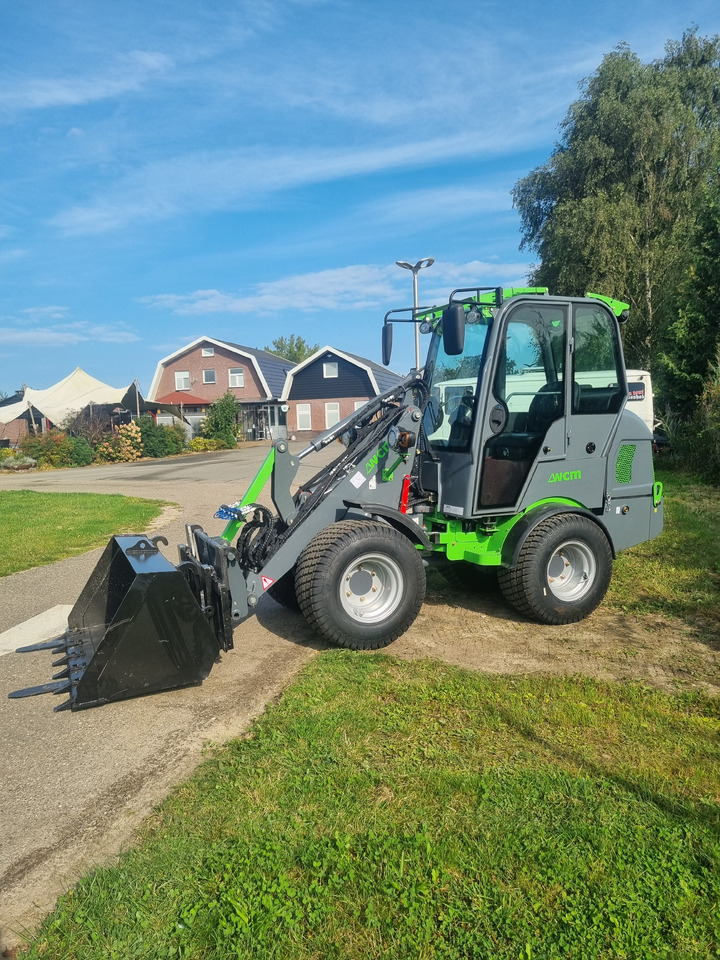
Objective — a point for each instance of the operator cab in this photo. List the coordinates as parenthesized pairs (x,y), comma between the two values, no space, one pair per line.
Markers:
(535,385)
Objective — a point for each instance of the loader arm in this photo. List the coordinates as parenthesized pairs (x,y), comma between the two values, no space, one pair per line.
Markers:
(142,625)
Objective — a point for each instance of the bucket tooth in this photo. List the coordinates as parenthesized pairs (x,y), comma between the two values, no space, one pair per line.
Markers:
(59,643)
(55,687)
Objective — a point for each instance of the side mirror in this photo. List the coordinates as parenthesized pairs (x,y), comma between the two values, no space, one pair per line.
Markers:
(453,322)
(387,337)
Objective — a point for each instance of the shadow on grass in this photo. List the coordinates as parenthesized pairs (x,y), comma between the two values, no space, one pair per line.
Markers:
(682,813)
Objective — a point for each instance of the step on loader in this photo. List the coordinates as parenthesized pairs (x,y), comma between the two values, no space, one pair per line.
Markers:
(512,450)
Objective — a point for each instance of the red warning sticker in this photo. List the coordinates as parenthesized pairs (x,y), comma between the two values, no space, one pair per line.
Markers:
(266,582)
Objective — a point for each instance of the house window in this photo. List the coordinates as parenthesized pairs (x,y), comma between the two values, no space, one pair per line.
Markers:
(332,414)
(330,369)
(236,377)
(208,351)
(359,403)
(208,376)
(304,421)
(182,379)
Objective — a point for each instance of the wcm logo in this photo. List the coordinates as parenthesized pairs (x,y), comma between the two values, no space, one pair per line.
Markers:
(568,475)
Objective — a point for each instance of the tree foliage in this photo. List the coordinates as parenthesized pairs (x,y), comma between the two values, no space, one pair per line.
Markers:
(222,420)
(628,205)
(292,348)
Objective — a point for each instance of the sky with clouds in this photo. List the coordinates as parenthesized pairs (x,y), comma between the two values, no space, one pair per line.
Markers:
(249,169)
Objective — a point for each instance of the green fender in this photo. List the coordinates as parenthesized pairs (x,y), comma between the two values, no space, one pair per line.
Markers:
(526,524)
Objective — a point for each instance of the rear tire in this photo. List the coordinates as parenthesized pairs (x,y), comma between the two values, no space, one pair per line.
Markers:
(360,584)
(563,570)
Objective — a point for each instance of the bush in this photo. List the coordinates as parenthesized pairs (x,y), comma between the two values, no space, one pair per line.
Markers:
(201,444)
(81,454)
(159,440)
(122,447)
(696,442)
(221,422)
(51,449)
(177,441)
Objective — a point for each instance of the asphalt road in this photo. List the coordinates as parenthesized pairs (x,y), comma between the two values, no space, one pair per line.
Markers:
(75,786)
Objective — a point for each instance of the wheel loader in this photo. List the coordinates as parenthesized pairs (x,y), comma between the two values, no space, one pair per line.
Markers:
(512,450)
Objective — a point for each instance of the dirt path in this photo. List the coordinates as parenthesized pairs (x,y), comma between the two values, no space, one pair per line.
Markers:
(483,633)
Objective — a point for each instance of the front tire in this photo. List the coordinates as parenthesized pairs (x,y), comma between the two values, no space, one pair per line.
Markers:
(360,584)
(563,571)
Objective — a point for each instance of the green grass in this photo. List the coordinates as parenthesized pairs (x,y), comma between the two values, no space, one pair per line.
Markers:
(413,810)
(677,574)
(38,528)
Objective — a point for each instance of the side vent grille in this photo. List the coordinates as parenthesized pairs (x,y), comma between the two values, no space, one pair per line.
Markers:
(623,467)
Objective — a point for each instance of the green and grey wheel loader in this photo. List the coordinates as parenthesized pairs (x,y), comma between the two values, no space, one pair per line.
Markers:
(513,449)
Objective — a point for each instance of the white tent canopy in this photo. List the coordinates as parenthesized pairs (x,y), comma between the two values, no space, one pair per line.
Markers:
(75,392)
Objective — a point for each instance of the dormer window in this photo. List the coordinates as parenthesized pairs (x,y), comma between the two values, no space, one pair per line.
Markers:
(330,369)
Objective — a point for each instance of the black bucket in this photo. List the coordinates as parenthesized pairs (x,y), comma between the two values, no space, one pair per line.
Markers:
(136,628)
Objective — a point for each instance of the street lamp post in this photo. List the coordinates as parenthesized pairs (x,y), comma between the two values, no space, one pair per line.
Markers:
(416,268)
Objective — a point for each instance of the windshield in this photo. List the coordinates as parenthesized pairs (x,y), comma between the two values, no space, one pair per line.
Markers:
(454,384)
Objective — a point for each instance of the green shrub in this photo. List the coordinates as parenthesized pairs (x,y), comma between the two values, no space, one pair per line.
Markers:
(5,452)
(177,440)
(201,444)
(159,440)
(696,442)
(81,453)
(51,449)
(221,422)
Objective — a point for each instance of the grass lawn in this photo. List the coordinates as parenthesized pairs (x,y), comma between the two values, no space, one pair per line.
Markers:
(678,574)
(394,809)
(38,528)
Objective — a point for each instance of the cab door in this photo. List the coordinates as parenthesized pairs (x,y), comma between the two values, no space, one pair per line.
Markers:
(525,411)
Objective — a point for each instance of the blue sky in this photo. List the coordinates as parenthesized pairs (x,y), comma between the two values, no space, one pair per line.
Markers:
(249,169)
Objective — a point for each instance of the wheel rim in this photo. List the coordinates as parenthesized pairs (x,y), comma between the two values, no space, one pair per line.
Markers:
(371,588)
(571,571)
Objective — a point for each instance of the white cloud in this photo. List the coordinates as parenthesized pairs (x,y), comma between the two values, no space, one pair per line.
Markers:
(129,73)
(342,290)
(244,179)
(37,314)
(37,334)
(439,205)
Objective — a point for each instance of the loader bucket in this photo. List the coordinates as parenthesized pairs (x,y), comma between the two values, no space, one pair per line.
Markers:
(136,628)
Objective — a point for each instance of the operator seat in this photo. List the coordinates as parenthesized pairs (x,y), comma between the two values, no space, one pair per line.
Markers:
(546,406)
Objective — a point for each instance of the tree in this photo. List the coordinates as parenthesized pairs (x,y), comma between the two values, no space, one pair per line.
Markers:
(222,419)
(93,422)
(292,348)
(618,207)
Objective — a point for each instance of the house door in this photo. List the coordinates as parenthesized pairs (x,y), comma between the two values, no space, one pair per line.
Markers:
(274,422)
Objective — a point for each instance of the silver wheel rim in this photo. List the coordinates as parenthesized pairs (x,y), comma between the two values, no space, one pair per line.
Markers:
(571,571)
(371,588)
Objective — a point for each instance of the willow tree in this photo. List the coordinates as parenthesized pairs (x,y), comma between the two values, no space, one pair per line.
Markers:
(619,206)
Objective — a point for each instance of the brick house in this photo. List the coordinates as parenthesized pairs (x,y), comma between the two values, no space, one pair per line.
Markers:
(327,387)
(202,371)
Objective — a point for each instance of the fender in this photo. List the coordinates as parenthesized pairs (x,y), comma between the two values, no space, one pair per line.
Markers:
(526,524)
(396,519)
